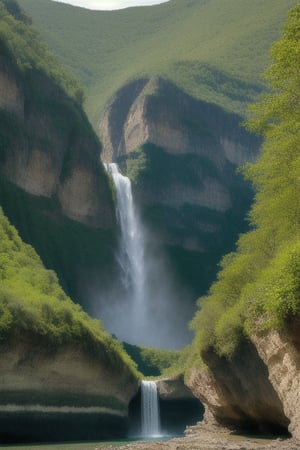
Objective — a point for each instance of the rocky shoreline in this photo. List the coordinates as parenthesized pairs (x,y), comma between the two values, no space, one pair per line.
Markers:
(202,437)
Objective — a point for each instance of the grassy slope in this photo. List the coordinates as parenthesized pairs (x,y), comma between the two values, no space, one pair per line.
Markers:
(214,50)
(31,300)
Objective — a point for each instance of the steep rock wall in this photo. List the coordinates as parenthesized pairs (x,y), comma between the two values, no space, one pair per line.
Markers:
(280,351)
(181,155)
(53,186)
(11,96)
(237,393)
(55,153)
(156,111)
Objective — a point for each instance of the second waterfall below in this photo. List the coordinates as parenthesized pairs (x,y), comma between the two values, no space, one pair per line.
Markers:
(150,409)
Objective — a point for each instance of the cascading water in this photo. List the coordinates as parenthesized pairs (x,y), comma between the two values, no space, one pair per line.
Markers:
(131,255)
(148,308)
(150,409)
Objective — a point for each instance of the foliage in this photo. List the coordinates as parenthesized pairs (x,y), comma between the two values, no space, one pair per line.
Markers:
(31,301)
(56,239)
(152,362)
(258,285)
(28,50)
(146,163)
(213,52)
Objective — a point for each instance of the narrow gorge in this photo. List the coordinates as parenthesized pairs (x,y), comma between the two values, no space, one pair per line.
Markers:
(129,248)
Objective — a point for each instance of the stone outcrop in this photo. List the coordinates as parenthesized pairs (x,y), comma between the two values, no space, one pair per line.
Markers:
(154,110)
(238,393)
(280,352)
(173,389)
(181,155)
(53,186)
(65,392)
(11,95)
(258,388)
(51,150)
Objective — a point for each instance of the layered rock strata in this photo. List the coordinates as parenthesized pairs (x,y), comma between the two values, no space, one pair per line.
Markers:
(54,393)
(49,149)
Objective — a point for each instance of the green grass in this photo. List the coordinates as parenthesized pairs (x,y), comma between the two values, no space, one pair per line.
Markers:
(32,302)
(213,50)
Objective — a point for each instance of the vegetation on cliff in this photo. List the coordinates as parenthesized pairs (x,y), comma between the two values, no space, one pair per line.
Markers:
(153,362)
(213,52)
(23,43)
(54,125)
(258,286)
(31,301)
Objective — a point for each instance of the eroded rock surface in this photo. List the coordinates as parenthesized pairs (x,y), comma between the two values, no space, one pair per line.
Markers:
(49,149)
(64,392)
(238,392)
(181,155)
(280,351)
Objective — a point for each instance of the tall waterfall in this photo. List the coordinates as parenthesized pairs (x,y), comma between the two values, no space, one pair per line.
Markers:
(147,309)
(150,409)
(132,249)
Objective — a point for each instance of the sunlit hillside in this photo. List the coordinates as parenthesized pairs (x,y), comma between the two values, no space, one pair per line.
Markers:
(214,50)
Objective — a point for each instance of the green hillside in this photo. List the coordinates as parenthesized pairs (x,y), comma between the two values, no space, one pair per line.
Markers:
(212,49)
(31,301)
(258,287)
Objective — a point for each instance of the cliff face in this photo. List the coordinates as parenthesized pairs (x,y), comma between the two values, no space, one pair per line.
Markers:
(258,389)
(54,393)
(238,393)
(280,351)
(53,186)
(55,154)
(181,155)
(155,111)
(11,95)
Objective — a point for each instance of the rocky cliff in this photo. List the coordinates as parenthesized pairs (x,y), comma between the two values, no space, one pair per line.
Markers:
(181,155)
(258,389)
(53,392)
(280,352)
(53,186)
(237,393)
(55,154)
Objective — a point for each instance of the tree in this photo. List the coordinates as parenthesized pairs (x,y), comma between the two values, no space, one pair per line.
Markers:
(250,285)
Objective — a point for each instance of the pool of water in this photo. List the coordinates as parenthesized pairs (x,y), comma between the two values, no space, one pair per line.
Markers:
(62,446)
(79,445)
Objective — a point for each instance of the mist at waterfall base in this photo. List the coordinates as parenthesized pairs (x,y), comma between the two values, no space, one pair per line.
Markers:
(146,307)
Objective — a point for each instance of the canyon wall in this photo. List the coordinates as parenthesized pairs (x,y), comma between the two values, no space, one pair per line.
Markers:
(52,393)
(181,155)
(257,389)
(53,186)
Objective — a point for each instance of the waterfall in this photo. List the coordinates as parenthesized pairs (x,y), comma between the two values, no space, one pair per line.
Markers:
(132,248)
(147,307)
(150,409)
